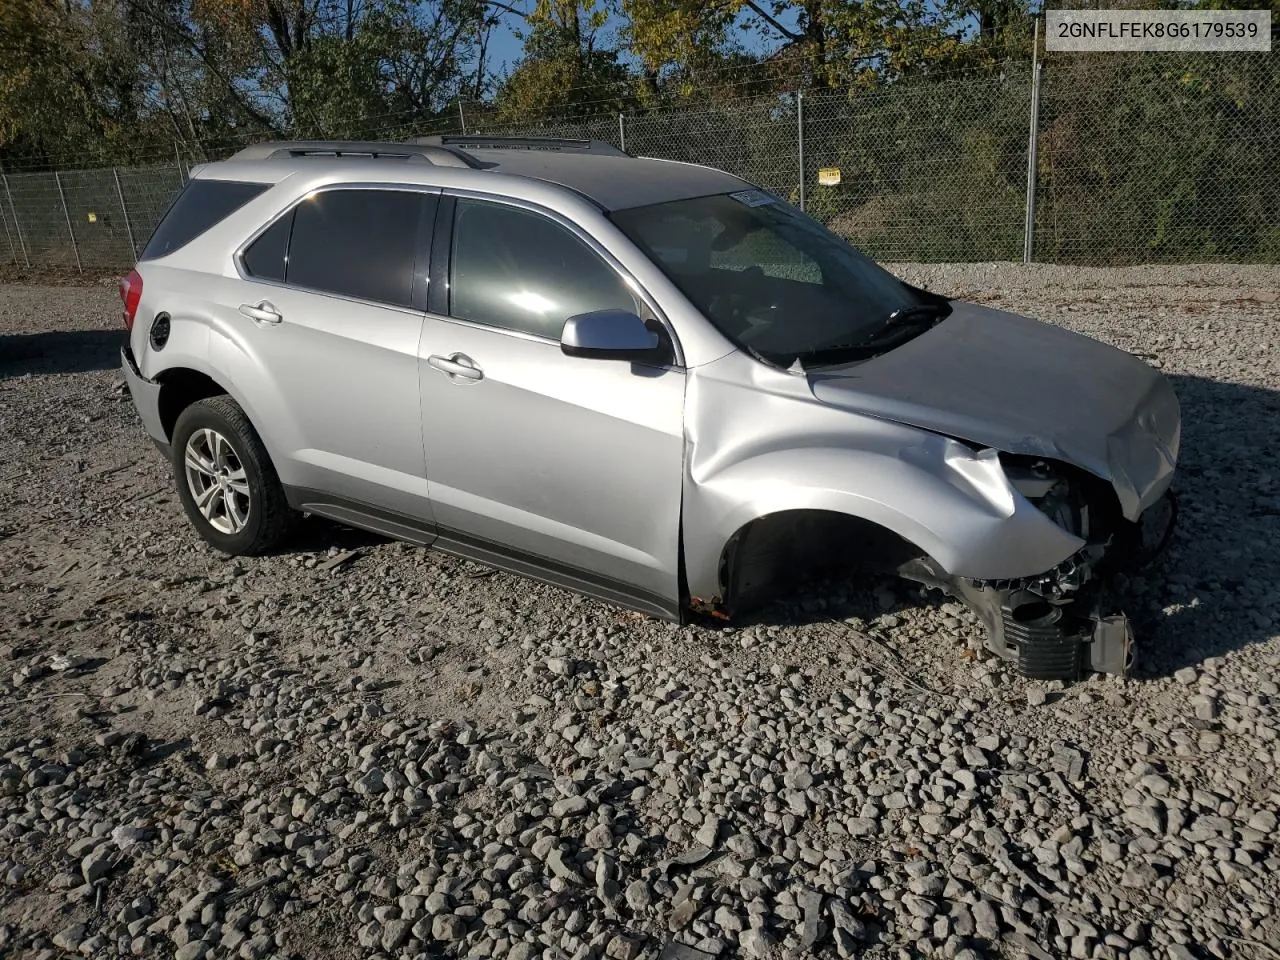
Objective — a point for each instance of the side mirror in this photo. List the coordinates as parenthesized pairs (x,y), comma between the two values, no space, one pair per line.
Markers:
(613,335)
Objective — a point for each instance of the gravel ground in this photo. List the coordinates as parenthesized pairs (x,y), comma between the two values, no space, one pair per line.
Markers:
(361,749)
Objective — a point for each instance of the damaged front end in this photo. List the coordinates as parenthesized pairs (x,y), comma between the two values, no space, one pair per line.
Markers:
(1064,622)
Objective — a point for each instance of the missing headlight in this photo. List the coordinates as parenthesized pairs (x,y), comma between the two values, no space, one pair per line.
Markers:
(1048,486)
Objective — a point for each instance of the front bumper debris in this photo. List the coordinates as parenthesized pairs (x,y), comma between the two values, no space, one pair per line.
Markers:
(1062,625)
(1056,649)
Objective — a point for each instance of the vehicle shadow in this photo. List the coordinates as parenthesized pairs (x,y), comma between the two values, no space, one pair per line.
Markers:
(60,351)
(319,534)
(1213,591)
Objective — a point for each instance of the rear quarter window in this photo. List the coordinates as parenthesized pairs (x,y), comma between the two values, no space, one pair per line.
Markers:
(201,205)
(266,257)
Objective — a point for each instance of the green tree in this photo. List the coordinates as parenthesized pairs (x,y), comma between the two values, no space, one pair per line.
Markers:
(70,81)
(829,42)
(345,67)
(87,80)
(569,68)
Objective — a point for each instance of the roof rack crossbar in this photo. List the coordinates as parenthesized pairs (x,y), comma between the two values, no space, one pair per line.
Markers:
(482,142)
(372,149)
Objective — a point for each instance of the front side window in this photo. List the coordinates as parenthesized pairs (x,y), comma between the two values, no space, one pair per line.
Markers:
(355,243)
(773,280)
(518,270)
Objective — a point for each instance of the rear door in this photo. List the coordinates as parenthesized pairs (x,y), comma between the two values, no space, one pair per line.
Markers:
(565,467)
(329,319)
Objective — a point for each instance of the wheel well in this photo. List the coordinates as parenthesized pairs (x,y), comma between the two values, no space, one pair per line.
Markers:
(782,550)
(178,390)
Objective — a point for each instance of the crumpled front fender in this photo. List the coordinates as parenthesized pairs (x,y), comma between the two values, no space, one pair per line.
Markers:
(965,516)
(790,453)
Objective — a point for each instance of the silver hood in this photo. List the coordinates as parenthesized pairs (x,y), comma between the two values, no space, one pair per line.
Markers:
(1024,387)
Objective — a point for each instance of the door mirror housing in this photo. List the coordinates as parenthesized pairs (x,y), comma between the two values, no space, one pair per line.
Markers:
(613,335)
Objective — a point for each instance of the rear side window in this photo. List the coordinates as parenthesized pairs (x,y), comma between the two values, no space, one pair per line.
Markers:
(202,204)
(359,243)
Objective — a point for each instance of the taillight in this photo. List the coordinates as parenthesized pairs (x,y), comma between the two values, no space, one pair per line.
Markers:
(130,295)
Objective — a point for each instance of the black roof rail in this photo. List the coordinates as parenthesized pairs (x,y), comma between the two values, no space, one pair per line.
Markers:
(460,141)
(374,149)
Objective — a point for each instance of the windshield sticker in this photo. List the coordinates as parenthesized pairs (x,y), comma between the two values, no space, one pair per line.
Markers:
(752,198)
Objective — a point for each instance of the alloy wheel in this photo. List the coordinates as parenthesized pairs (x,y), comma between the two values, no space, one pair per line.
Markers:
(217,481)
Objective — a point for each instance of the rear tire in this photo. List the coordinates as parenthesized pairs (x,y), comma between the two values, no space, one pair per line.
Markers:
(226,481)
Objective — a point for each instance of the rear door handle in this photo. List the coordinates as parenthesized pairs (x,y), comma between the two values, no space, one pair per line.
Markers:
(457,365)
(262,312)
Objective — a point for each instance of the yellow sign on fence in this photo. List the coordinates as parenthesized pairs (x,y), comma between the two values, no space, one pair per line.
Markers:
(829,177)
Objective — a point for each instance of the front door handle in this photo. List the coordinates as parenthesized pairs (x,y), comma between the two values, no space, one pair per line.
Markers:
(262,312)
(457,365)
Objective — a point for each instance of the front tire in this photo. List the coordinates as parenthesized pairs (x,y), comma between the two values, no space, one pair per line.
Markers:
(227,483)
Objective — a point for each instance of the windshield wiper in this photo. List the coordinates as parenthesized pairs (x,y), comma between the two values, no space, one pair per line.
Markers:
(841,352)
(904,318)
(921,314)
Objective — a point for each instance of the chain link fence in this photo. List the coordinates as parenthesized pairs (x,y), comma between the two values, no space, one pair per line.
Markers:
(928,172)
(1159,158)
(1134,159)
(85,219)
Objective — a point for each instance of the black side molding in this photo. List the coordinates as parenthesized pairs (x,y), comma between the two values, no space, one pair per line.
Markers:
(424,533)
(555,573)
(388,523)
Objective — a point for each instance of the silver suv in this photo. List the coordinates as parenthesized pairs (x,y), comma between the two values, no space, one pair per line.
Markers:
(648,381)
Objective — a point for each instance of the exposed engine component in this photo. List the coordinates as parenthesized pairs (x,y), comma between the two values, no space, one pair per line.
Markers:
(1065,501)
(1044,649)
(1057,625)
(1052,490)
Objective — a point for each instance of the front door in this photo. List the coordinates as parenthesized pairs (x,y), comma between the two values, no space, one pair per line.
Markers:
(560,466)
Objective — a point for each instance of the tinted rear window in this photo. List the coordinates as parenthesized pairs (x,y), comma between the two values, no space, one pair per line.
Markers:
(202,204)
(358,243)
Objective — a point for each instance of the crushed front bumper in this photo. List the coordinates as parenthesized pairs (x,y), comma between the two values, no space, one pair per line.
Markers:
(1065,624)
